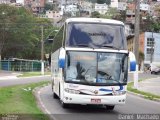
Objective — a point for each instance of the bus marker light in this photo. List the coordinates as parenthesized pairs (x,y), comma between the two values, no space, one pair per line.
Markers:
(70,98)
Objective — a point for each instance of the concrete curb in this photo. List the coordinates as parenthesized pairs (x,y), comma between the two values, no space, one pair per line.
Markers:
(143,96)
(36,92)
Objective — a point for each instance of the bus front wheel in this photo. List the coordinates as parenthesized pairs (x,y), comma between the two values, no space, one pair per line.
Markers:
(109,107)
(64,105)
(55,96)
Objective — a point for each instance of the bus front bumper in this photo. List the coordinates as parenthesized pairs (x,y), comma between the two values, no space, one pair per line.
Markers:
(97,100)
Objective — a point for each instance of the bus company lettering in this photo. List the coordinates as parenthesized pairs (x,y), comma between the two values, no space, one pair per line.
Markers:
(97,34)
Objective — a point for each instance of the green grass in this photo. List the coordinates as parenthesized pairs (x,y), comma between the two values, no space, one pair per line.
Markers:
(145,94)
(29,74)
(15,100)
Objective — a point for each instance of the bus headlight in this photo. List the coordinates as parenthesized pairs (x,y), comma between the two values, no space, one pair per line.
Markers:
(71,91)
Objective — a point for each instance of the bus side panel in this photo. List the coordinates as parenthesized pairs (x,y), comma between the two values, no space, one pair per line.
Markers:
(55,71)
(61,84)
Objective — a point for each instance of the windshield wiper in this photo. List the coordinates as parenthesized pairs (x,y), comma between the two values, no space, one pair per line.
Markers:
(110,47)
(83,45)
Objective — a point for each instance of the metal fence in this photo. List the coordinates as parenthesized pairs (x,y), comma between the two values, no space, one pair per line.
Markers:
(20,65)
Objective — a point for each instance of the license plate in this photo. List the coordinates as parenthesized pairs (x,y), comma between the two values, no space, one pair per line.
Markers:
(95,100)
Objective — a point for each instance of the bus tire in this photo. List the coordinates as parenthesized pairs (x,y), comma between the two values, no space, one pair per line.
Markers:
(55,96)
(64,105)
(110,107)
(153,72)
(52,84)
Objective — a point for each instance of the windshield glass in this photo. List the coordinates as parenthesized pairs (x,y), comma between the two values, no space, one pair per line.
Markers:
(96,68)
(95,35)
(81,66)
(112,68)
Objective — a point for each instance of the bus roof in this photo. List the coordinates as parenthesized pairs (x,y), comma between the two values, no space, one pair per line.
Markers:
(94,20)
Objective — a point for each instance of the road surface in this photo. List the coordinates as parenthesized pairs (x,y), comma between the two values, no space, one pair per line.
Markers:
(23,80)
(52,106)
(134,105)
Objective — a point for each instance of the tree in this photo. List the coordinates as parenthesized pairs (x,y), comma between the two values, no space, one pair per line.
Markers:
(146,24)
(141,59)
(20,34)
(156,24)
(5,25)
(48,7)
(152,23)
(156,27)
(157,9)
(149,24)
(111,13)
(101,1)
(121,15)
(95,14)
(108,2)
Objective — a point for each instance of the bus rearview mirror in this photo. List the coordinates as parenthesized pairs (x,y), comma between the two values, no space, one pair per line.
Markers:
(62,55)
(132,59)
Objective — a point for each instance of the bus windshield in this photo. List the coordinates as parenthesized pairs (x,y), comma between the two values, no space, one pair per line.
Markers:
(96,68)
(95,35)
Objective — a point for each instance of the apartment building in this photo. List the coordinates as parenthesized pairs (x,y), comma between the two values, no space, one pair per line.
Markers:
(151,44)
(37,6)
(101,8)
(5,1)
(114,3)
(86,6)
(130,42)
(122,6)
(130,13)
(20,2)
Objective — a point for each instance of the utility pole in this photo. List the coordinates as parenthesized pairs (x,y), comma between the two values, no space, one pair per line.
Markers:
(137,20)
(42,52)
(152,48)
(136,40)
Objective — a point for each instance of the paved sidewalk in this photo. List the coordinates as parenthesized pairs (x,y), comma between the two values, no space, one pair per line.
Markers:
(8,75)
(151,86)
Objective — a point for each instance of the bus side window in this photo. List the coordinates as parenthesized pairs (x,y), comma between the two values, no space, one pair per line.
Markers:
(64,36)
(58,39)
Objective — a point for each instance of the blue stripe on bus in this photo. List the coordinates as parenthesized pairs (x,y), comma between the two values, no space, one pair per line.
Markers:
(108,90)
(61,63)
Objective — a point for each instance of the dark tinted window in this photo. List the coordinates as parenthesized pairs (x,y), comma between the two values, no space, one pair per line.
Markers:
(95,35)
(57,42)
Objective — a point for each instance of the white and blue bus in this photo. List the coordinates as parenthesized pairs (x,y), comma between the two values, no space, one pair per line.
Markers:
(89,63)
